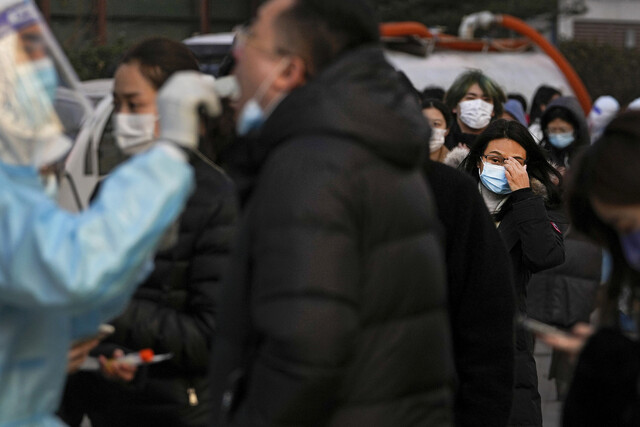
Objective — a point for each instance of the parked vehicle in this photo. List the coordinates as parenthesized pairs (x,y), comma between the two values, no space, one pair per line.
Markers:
(517,64)
(210,50)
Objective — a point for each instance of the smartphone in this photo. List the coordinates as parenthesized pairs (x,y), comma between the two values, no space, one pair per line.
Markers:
(540,327)
(104,330)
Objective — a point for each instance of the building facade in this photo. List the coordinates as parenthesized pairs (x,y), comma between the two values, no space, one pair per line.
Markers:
(611,22)
(82,22)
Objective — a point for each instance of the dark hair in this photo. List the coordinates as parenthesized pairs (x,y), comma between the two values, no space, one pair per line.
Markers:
(439,105)
(433,92)
(406,83)
(321,30)
(601,172)
(537,165)
(542,97)
(518,97)
(464,81)
(561,109)
(159,58)
(559,112)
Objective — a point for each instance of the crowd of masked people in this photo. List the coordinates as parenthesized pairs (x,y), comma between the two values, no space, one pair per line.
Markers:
(356,252)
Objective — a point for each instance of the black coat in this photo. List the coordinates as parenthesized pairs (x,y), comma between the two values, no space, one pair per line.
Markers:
(481,300)
(335,311)
(605,391)
(566,294)
(535,243)
(456,136)
(172,311)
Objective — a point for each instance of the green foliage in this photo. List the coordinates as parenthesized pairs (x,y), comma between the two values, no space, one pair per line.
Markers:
(96,62)
(604,69)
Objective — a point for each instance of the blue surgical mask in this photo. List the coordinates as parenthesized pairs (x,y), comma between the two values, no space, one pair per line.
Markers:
(251,117)
(561,140)
(495,179)
(41,73)
(631,248)
(31,133)
(46,72)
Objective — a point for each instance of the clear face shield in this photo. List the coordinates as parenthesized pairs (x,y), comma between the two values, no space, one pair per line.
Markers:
(31,134)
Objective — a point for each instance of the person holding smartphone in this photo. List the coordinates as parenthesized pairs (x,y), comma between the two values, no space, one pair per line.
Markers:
(604,203)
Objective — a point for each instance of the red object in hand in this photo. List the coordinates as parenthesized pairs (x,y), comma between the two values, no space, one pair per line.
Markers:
(146,355)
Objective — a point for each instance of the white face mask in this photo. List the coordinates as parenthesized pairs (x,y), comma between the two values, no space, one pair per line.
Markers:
(134,133)
(437,139)
(475,113)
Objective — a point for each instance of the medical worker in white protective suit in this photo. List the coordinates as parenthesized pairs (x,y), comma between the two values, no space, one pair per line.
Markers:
(61,274)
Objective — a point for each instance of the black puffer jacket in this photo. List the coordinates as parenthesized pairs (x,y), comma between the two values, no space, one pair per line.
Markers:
(173,311)
(535,243)
(335,311)
(566,294)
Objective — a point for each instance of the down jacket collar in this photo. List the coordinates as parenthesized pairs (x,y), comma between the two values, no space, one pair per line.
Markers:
(360,97)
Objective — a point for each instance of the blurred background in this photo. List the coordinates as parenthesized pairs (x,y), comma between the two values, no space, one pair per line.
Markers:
(600,38)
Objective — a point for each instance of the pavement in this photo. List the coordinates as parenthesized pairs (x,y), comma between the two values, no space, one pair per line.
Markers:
(551,407)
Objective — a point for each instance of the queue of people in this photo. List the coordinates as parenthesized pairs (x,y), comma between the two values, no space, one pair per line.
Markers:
(328,266)
(174,309)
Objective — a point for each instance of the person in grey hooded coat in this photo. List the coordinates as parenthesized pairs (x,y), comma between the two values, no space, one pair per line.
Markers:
(565,131)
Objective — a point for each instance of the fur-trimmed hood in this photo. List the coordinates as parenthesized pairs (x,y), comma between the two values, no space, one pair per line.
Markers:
(456,156)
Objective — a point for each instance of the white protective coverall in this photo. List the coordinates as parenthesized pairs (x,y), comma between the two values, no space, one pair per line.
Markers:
(61,274)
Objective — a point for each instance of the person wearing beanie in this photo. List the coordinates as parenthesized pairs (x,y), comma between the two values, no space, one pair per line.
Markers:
(513,111)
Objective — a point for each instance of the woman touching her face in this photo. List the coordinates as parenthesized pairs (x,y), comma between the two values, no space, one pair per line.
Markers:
(518,185)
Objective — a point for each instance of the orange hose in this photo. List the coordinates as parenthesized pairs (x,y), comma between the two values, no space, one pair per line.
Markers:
(402,29)
(578,87)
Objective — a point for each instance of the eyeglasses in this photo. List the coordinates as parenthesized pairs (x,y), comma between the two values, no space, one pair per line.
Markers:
(496,159)
(246,37)
(558,130)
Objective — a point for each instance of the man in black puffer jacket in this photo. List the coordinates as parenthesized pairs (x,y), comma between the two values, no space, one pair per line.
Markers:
(334,313)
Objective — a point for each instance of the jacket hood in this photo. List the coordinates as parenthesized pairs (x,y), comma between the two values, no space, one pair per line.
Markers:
(359,97)
(456,156)
(571,104)
(514,108)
